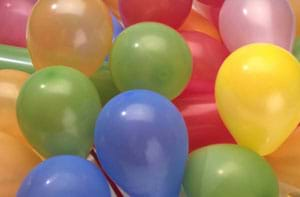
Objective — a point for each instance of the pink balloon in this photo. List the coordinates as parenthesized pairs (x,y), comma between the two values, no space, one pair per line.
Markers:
(243,22)
(13,20)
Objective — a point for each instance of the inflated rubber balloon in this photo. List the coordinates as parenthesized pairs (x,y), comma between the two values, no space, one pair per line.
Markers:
(114,6)
(257,94)
(295,4)
(151,56)
(73,33)
(227,171)
(141,140)
(203,121)
(286,160)
(172,13)
(16,160)
(296,50)
(250,21)
(13,20)
(11,82)
(65,176)
(196,22)
(208,55)
(216,3)
(57,110)
(103,81)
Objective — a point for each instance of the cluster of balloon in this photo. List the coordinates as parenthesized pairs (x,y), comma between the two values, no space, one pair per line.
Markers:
(152,142)
(13,20)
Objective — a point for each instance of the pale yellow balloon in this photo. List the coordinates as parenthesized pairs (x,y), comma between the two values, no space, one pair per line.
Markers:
(16,161)
(74,33)
(258,96)
(296,8)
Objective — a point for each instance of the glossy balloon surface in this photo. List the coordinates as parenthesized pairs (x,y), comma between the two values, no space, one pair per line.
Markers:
(172,13)
(65,176)
(227,171)
(13,20)
(16,160)
(57,109)
(250,21)
(151,56)
(258,92)
(141,140)
(296,8)
(296,50)
(73,33)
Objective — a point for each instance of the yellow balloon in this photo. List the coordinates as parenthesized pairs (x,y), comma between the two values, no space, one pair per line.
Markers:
(296,7)
(258,94)
(75,33)
(16,161)
(11,82)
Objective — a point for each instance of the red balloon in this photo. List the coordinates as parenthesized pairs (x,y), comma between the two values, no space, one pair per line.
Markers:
(169,12)
(13,20)
(208,55)
(204,124)
(215,3)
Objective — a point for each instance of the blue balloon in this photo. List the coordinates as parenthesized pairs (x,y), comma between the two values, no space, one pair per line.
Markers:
(141,140)
(64,176)
(116,26)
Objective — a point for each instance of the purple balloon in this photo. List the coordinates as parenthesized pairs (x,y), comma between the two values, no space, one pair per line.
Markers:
(248,21)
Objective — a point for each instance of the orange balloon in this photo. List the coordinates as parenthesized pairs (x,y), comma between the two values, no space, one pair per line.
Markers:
(286,160)
(296,7)
(196,22)
(75,33)
(11,82)
(114,6)
(16,161)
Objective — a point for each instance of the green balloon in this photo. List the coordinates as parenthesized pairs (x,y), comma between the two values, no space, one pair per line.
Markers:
(296,50)
(229,171)
(151,56)
(57,109)
(103,81)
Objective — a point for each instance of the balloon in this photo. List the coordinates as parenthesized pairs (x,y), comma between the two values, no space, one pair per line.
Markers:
(103,81)
(172,13)
(57,110)
(16,160)
(142,143)
(11,82)
(13,19)
(228,170)
(117,27)
(196,22)
(296,50)
(65,176)
(114,6)
(151,56)
(208,55)
(295,4)
(257,94)
(73,33)
(216,3)
(15,58)
(203,121)
(286,160)
(251,21)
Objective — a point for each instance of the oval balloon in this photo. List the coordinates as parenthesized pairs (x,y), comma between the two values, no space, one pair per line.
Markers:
(296,7)
(296,50)
(250,21)
(81,39)
(257,93)
(57,110)
(208,55)
(16,160)
(114,6)
(149,128)
(228,170)
(13,20)
(151,56)
(172,13)
(203,121)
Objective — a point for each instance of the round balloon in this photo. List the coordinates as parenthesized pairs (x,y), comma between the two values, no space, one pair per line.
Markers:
(296,50)
(72,33)
(141,140)
(229,170)
(16,160)
(208,55)
(65,176)
(13,20)
(114,6)
(151,56)
(250,21)
(57,110)
(172,13)
(257,93)
(296,8)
